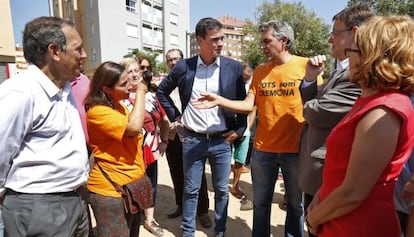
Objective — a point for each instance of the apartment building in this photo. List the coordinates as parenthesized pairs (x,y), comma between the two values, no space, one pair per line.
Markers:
(112,29)
(234,38)
(7,48)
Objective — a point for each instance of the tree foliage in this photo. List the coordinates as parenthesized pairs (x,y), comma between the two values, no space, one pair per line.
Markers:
(388,7)
(157,68)
(311,33)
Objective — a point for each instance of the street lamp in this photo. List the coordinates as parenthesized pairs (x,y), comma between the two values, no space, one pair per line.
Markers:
(187,34)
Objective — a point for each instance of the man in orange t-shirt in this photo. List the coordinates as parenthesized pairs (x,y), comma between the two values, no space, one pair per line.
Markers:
(275,92)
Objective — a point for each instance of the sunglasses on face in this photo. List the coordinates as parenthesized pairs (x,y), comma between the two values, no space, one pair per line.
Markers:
(145,67)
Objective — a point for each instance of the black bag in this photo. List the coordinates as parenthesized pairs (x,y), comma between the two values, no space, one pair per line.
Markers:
(136,193)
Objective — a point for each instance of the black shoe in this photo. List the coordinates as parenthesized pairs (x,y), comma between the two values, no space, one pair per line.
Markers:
(205,220)
(175,213)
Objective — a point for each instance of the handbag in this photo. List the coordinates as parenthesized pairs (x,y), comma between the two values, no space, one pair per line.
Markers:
(136,194)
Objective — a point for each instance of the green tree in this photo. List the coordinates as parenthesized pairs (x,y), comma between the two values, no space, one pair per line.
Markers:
(311,33)
(388,7)
(151,55)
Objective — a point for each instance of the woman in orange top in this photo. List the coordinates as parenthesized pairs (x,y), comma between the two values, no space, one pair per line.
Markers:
(115,137)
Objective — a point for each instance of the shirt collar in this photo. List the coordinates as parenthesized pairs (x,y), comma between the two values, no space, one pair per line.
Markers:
(201,62)
(48,86)
(341,65)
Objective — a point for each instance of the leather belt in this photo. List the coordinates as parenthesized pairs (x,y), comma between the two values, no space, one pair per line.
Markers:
(78,192)
(207,136)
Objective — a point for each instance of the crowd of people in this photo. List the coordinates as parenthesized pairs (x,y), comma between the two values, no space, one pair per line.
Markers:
(341,143)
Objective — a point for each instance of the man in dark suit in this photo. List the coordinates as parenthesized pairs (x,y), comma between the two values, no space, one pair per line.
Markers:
(325,106)
(174,154)
(207,134)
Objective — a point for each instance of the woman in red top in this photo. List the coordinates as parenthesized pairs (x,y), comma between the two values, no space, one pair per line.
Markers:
(367,149)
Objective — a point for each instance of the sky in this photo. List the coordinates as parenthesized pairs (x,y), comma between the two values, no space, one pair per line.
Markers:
(245,9)
(23,11)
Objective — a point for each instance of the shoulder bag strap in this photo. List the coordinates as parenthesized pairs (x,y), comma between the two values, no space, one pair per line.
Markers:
(116,186)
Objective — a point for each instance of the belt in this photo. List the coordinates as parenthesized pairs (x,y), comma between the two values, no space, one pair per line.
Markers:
(207,136)
(76,192)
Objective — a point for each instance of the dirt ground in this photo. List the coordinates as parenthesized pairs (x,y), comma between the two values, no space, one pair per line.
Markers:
(239,223)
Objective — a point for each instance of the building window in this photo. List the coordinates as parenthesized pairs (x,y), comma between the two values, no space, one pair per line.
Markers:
(174,19)
(174,39)
(132,30)
(174,1)
(131,5)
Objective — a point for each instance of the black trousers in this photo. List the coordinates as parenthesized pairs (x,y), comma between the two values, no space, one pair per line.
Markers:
(174,155)
(307,199)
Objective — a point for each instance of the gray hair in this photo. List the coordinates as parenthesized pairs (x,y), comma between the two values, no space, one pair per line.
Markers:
(39,33)
(280,29)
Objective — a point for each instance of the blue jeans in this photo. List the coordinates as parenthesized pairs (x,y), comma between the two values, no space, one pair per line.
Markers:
(196,150)
(264,168)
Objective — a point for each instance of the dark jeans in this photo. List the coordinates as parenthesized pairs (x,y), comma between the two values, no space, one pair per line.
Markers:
(174,155)
(264,169)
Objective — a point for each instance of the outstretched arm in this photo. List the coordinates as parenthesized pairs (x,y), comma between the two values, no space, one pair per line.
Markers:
(210,100)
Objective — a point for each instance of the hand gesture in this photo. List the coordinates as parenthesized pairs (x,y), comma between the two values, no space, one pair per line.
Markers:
(314,67)
(142,85)
(206,101)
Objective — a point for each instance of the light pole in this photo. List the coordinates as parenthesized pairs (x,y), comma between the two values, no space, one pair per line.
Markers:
(187,34)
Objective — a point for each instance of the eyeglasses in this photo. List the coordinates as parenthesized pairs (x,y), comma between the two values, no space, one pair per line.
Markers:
(336,32)
(173,60)
(349,50)
(145,67)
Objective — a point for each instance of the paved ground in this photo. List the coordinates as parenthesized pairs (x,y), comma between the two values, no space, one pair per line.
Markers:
(239,223)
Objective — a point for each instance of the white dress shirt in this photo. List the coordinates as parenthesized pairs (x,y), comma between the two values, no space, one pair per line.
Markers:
(42,146)
(205,120)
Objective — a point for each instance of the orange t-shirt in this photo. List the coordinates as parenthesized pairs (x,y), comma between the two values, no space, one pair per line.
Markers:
(118,155)
(279,105)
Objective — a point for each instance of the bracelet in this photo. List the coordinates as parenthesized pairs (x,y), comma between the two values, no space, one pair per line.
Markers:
(165,141)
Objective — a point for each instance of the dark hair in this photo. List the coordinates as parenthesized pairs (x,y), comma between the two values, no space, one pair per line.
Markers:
(177,50)
(107,74)
(206,24)
(354,15)
(148,74)
(39,33)
(141,58)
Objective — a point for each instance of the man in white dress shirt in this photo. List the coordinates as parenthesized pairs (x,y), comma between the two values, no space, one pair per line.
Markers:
(43,157)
